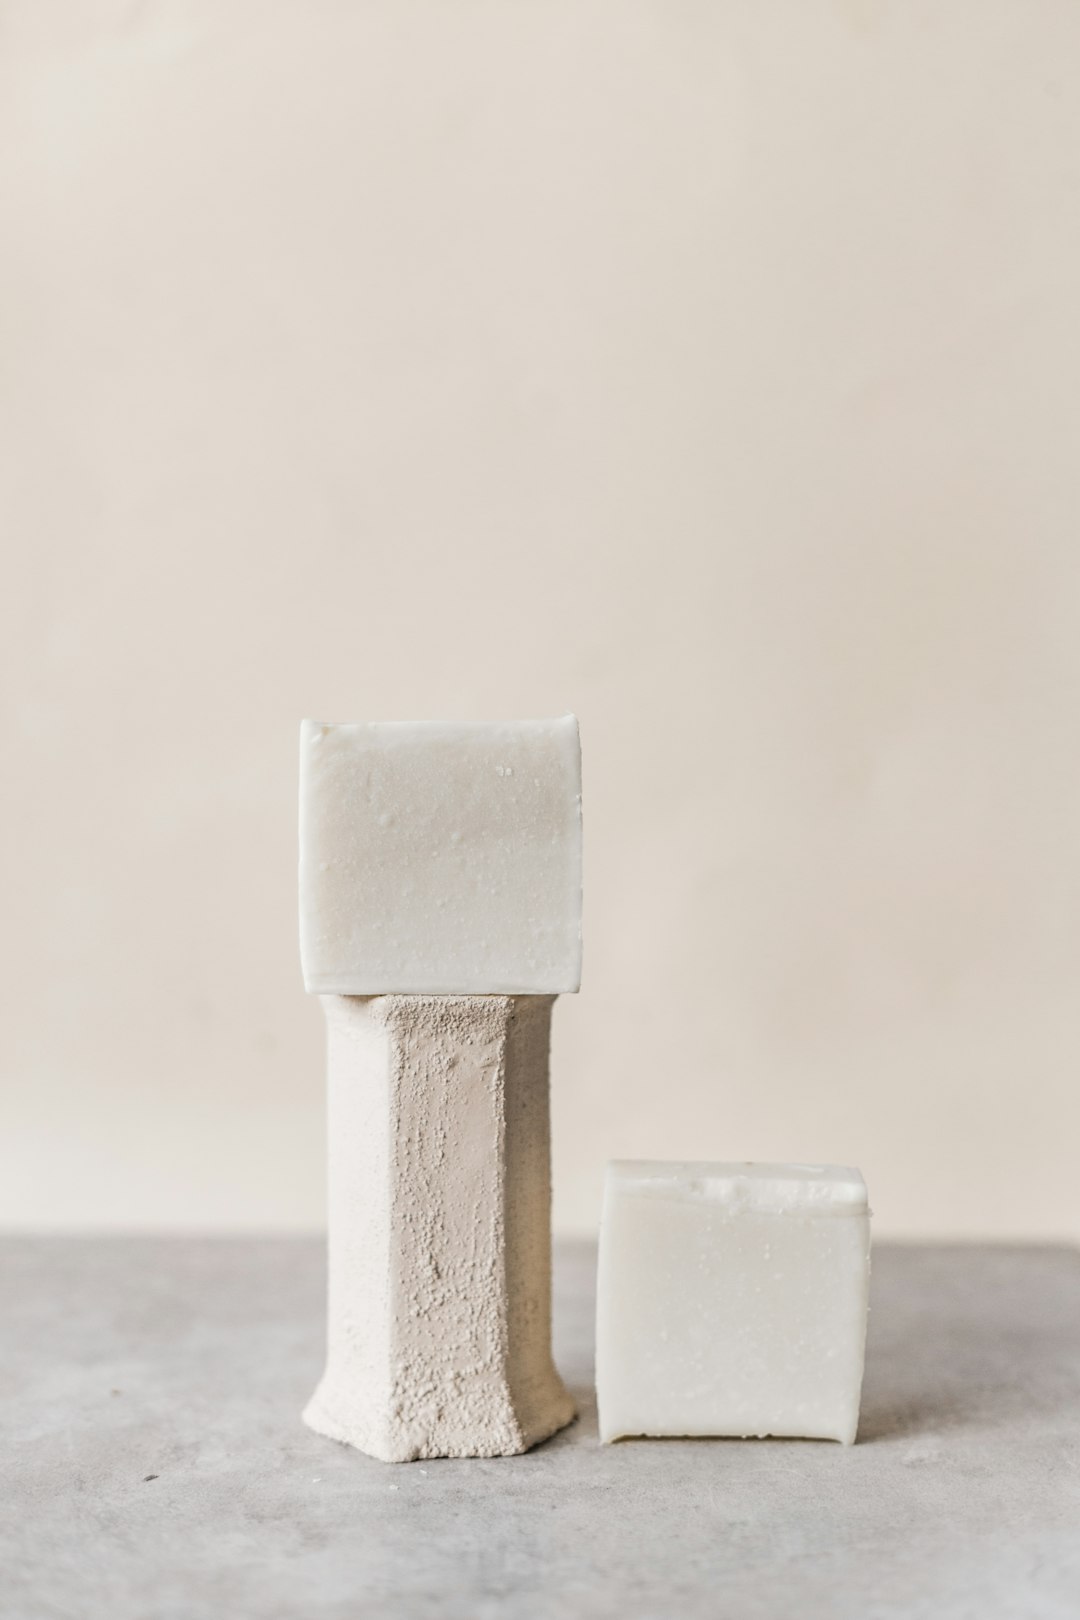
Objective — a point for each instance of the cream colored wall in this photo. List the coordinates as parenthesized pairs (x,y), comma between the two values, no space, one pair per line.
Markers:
(709,368)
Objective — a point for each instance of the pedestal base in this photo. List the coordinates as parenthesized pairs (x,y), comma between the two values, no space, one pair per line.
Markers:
(439,1228)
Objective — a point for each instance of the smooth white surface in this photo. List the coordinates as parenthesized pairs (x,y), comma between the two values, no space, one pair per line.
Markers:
(706,366)
(441,859)
(732,1300)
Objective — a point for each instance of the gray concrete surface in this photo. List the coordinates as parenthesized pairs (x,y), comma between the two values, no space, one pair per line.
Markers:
(153,1465)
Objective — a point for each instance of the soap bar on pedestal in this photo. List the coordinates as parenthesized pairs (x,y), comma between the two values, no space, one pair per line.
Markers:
(441,859)
(440,913)
(732,1300)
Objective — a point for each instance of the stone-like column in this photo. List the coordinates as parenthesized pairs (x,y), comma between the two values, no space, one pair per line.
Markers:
(439,1228)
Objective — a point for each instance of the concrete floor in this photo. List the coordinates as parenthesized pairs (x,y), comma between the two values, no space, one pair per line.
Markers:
(153,1465)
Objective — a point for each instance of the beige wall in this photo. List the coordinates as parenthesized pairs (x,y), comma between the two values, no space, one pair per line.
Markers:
(709,368)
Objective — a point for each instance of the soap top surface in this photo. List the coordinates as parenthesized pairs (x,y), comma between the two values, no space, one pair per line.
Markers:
(779,1188)
(440,858)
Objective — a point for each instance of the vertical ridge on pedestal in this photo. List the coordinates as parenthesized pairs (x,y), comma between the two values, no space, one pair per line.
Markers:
(353,1396)
(535,1384)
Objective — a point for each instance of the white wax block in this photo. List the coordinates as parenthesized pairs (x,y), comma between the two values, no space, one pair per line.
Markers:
(732,1300)
(440,859)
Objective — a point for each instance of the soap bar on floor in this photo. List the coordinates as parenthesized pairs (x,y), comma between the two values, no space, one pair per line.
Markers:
(441,859)
(732,1300)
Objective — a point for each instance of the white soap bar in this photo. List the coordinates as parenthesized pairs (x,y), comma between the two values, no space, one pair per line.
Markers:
(441,859)
(732,1300)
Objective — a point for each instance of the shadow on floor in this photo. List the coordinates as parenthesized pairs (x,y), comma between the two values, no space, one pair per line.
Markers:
(967,1335)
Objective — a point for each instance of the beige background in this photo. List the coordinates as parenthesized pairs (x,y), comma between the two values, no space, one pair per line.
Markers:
(710,369)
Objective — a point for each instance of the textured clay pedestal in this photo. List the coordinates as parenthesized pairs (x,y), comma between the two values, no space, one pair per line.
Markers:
(439,1228)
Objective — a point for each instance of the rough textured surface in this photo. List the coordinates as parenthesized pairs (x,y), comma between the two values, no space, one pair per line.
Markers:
(732,1300)
(152,1467)
(441,858)
(439,1341)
